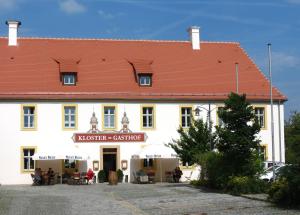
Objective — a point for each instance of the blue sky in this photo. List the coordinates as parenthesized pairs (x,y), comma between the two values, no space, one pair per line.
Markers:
(253,23)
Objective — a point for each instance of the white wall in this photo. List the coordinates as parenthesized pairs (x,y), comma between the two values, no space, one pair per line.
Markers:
(50,133)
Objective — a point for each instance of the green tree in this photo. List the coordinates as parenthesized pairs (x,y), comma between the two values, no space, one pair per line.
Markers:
(286,191)
(237,137)
(193,142)
(292,139)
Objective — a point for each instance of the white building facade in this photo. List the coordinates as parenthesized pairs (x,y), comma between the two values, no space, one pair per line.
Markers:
(34,119)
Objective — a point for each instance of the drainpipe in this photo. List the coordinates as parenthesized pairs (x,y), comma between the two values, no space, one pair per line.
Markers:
(279,132)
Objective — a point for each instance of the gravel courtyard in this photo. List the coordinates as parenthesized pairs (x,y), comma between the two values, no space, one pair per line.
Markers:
(126,199)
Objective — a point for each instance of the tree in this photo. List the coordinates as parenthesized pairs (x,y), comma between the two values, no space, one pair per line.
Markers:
(237,137)
(286,191)
(292,139)
(193,142)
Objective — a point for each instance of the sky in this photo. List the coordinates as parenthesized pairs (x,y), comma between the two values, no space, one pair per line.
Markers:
(253,23)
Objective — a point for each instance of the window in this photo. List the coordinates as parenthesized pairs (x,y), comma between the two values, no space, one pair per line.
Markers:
(147,117)
(28,163)
(263,151)
(260,115)
(220,121)
(69,164)
(69,79)
(145,80)
(109,117)
(186,117)
(28,117)
(148,162)
(69,117)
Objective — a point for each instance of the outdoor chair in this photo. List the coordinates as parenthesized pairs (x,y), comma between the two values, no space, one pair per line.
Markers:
(169,176)
(188,178)
(76,178)
(140,179)
(35,180)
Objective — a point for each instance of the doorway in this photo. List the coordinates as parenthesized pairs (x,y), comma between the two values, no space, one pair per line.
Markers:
(109,160)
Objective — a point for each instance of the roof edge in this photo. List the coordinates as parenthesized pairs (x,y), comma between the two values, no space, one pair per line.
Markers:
(116,39)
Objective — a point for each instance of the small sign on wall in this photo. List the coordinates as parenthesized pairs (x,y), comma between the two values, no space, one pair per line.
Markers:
(95,165)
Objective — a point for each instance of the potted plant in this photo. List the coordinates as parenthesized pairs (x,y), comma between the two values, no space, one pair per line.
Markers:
(120,175)
(101,176)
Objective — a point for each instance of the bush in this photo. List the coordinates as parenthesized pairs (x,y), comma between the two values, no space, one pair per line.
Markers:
(101,176)
(286,191)
(120,175)
(243,185)
(215,172)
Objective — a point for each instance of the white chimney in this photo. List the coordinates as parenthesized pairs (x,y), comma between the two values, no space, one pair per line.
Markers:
(13,32)
(195,37)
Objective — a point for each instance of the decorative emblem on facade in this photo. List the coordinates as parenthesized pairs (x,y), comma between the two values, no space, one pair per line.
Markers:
(125,123)
(94,125)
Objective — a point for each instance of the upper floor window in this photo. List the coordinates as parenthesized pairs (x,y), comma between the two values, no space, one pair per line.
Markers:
(186,117)
(145,80)
(109,117)
(69,78)
(70,117)
(26,158)
(28,117)
(260,115)
(147,117)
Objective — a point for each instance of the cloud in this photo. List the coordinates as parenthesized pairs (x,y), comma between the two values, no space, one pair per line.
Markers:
(107,15)
(8,4)
(282,60)
(293,1)
(71,7)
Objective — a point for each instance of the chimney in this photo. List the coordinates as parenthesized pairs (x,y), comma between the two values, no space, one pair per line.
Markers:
(13,32)
(194,32)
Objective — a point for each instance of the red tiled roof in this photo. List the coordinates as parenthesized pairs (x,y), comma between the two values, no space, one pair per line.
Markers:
(67,65)
(141,65)
(30,70)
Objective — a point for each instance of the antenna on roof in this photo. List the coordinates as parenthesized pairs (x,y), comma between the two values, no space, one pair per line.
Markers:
(237,77)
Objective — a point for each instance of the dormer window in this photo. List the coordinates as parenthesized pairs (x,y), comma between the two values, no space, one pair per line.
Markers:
(69,78)
(145,80)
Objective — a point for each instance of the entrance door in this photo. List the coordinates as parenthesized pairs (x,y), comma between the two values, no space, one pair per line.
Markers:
(109,160)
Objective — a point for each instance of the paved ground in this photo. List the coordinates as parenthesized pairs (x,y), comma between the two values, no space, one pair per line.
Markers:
(126,199)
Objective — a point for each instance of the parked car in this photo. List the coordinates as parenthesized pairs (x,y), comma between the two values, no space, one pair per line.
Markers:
(267,175)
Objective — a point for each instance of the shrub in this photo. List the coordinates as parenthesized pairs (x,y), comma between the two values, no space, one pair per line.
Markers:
(243,185)
(215,171)
(120,175)
(101,176)
(286,191)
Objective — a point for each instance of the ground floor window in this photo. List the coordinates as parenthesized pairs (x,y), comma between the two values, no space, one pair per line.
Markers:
(264,152)
(28,163)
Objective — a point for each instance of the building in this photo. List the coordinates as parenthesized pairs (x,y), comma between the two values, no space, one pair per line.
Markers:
(51,87)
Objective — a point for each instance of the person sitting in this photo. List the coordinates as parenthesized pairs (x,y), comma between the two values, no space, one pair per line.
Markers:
(50,175)
(177,174)
(89,175)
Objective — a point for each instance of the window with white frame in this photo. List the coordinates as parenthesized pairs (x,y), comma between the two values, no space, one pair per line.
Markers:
(145,80)
(70,116)
(28,116)
(260,115)
(147,117)
(69,79)
(186,117)
(28,162)
(109,117)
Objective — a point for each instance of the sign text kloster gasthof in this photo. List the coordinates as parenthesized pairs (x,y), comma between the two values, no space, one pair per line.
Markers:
(109,137)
